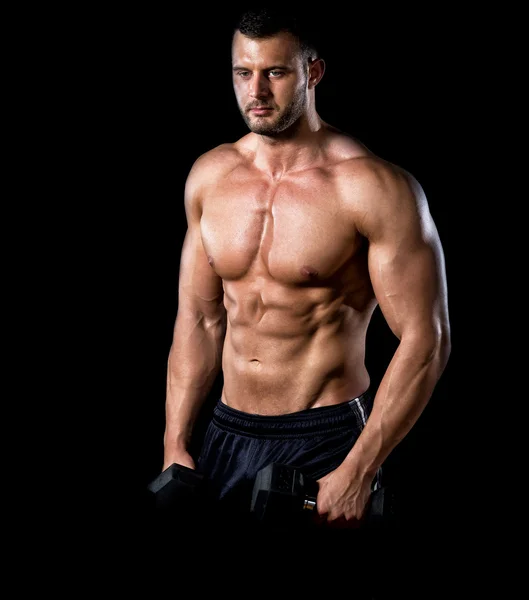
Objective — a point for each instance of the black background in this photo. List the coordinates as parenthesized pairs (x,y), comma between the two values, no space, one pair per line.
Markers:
(158,93)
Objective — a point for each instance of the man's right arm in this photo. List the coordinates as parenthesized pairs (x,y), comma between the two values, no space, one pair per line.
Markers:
(195,356)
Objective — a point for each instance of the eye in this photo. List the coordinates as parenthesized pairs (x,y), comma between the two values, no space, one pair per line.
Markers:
(243,74)
(275,74)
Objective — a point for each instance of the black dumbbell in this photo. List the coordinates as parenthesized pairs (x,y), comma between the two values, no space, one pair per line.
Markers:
(283,495)
(177,487)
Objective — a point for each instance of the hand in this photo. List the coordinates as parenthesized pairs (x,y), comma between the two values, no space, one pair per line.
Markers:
(342,499)
(181,457)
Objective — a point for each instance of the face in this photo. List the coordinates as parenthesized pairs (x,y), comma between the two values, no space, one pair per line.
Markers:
(270,82)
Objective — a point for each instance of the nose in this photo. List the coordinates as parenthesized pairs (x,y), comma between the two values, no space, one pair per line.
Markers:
(259,87)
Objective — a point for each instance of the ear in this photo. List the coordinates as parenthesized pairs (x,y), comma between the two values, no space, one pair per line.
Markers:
(316,71)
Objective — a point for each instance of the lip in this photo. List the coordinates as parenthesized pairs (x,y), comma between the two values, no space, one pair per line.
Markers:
(260,111)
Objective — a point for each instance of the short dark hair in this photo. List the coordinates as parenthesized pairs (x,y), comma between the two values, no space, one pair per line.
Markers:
(267,22)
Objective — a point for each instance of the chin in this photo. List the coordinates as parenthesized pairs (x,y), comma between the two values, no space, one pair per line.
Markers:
(263,128)
(261,124)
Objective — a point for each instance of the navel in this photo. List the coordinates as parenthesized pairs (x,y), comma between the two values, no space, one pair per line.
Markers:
(211,261)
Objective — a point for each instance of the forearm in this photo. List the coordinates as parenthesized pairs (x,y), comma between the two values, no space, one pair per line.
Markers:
(195,360)
(402,395)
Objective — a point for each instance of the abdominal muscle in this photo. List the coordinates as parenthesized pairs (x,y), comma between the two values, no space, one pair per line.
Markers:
(283,359)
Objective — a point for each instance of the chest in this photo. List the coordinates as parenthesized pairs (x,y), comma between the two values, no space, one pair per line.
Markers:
(295,230)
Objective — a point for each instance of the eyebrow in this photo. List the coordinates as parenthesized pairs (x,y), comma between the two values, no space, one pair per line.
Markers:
(241,68)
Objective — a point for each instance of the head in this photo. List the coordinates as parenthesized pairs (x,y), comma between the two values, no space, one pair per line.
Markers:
(276,68)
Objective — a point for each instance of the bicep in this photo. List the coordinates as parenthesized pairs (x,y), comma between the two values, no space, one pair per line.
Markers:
(407,270)
(409,284)
(200,290)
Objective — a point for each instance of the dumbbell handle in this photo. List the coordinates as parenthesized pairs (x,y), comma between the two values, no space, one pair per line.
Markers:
(281,489)
(309,501)
(309,504)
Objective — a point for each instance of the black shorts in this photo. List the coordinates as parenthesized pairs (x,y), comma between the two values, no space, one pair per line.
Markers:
(237,445)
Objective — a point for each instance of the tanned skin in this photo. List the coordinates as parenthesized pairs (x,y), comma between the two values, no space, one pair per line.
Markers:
(296,232)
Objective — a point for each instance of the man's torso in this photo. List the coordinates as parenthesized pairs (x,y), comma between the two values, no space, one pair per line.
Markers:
(296,285)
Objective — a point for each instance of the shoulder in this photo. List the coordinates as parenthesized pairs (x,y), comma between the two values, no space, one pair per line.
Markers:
(213,163)
(370,177)
(379,194)
(353,162)
(209,168)
(356,167)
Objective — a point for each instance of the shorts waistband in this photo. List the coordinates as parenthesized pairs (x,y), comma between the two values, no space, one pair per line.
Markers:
(311,420)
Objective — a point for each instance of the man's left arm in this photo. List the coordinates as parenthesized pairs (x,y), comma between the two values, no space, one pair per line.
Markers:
(407,271)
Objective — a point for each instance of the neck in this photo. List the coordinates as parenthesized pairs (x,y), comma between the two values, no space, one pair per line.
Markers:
(291,150)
